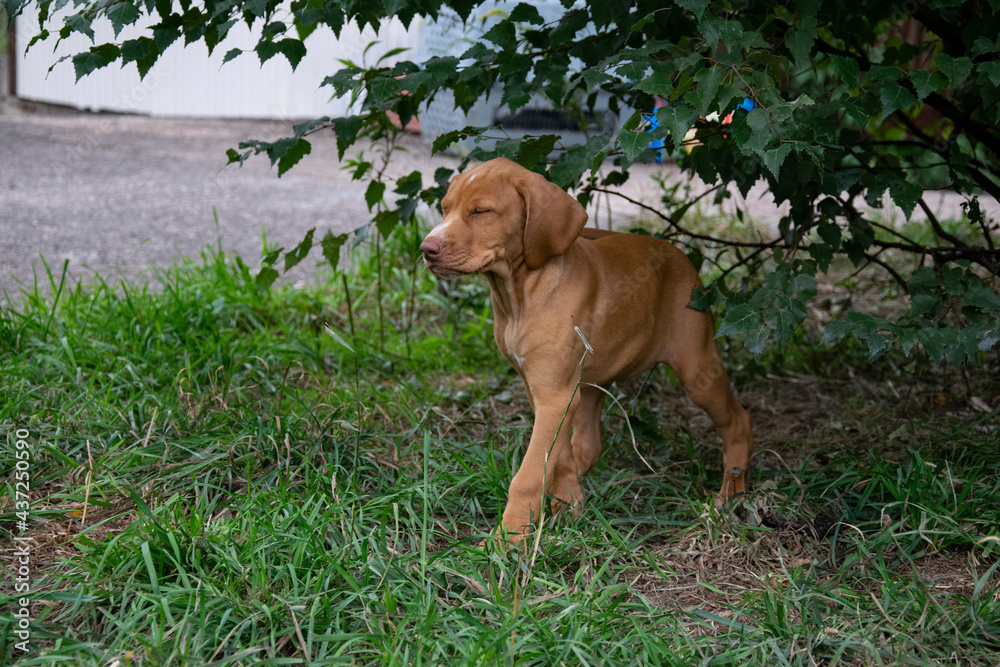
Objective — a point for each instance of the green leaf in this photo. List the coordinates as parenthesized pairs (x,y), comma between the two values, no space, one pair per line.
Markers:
(410,184)
(305,127)
(440,70)
(716,29)
(164,37)
(925,82)
(906,195)
(265,278)
(848,69)
(678,119)
(516,94)
(374,194)
(96,58)
(641,23)
(956,69)
(572,22)
(299,252)
(863,326)
(512,63)
(883,74)
(14,7)
(274,28)
(331,248)
(535,150)
(633,71)
(526,13)
(894,97)
(657,83)
(346,130)
(566,172)
(407,208)
(696,7)
(800,41)
(860,240)
(445,140)
(293,50)
(983,45)
(708,81)
(296,152)
(266,49)
(595,76)
(122,14)
(760,133)
(774,157)
(337,337)
(383,88)
(829,231)
(991,69)
(230,54)
(744,321)
(386,221)
(80,23)
(990,338)
(86,62)
(979,295)
(142,52)
(633,143)
(783,299)
(727,92)
(503,34)
(822,253)
(344,81)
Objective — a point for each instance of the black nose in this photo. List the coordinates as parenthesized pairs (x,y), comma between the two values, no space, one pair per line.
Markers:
(431,248)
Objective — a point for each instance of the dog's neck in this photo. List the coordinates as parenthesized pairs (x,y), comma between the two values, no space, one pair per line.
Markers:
(510,279)
(507,291)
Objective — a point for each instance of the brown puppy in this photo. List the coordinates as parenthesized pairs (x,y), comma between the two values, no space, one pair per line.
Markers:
(628,295)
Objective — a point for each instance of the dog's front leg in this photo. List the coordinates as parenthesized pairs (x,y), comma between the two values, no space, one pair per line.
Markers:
(548,467)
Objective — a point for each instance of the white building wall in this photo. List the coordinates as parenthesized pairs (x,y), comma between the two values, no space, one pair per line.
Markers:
(186,81)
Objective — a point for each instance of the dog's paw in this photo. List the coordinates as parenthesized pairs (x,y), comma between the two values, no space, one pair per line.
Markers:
(503,536)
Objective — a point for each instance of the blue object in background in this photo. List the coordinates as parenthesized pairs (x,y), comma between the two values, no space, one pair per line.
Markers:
(656,144)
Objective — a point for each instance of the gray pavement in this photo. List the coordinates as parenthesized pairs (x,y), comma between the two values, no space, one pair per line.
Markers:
(120,195)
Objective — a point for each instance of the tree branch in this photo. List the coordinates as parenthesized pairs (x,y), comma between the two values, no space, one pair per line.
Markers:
(891,271)
(937,226)
(676,225)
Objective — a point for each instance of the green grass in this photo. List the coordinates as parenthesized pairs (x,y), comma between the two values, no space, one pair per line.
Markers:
(215,480)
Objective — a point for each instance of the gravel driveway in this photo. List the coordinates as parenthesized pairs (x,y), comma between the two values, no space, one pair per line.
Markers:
(119,195)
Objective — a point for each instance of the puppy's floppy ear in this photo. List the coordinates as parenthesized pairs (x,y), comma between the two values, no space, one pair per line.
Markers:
(553,219)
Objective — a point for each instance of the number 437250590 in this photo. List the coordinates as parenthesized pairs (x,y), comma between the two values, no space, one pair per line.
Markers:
(21,475)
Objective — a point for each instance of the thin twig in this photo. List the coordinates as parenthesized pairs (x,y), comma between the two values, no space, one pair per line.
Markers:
(702,237)
(891,271)
(937,226)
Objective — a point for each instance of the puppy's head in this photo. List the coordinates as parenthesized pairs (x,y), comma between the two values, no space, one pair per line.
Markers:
(497,215)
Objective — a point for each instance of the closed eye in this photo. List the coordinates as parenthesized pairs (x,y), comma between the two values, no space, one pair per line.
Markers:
(479,210)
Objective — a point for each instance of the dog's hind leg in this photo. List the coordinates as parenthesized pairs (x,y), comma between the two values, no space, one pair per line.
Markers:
(587,428)
(699,367)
